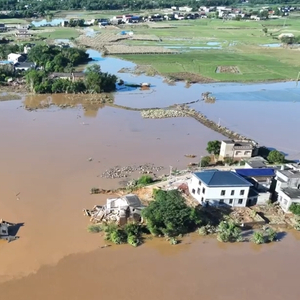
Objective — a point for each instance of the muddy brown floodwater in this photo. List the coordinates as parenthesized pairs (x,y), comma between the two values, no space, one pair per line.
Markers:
(45,161)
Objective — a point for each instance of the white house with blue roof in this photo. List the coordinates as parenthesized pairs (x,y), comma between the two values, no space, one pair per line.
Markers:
(215,187)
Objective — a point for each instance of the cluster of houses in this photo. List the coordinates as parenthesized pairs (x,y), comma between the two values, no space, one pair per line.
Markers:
(21,30)
(255,184)
(18,61)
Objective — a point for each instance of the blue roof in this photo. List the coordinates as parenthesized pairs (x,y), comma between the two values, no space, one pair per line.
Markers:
(222,178)
(261,172)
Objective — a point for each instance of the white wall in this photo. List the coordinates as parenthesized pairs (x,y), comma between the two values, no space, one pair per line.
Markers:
(214,195)
(285,201)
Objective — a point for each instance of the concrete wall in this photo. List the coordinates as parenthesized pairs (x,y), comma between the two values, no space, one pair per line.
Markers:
(218,195)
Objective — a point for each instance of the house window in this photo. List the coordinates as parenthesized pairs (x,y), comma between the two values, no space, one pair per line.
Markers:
(198,191)
(240,201)
(203,190)
(4,231)
(232,192)
(199,182)
(193,191)
(202,199)
(238,152)
(280,198)
(221,201)
(242,192)
(223,193)
(285,202)
(230,201)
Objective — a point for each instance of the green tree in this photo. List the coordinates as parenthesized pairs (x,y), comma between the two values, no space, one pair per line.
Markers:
(275,157)
(169,214)
(213,147)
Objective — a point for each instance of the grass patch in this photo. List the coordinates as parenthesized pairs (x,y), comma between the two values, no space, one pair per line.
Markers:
(253,66)
(59,33)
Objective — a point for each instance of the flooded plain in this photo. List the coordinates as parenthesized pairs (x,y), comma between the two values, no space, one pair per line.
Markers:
(46,175)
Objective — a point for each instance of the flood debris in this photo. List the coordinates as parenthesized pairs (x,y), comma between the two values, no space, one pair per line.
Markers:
(123,172)
(4,231)
(117,210)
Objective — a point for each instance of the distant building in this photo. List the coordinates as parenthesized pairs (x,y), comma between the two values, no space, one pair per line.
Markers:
(70,76)
(219,188)
(23,33)
(256,162)
(3,27)
(24,66)
(237,149)
(288,196)
(15,57)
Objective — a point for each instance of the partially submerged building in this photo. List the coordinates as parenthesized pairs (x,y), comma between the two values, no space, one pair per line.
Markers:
(238,150)
(119,210)
(216,187)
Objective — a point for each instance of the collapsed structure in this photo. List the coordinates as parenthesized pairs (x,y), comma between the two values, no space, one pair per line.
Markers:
(119,210)
(4,231)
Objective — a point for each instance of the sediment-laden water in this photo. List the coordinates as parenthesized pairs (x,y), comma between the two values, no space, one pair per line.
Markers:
(46,174)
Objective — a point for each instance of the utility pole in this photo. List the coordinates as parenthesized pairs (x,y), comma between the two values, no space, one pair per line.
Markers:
(297,79)
(200,166)
(170,171)
(219,122)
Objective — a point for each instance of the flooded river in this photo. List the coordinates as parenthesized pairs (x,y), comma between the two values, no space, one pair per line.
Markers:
(46,176)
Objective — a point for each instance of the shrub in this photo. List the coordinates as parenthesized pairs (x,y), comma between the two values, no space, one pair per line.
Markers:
(173,241)
(228,160)
(271,234)
(258,237)
(133,240)
(205,161)
(118,236)
(144,180)
(295,209)
(94,228)
(228,231)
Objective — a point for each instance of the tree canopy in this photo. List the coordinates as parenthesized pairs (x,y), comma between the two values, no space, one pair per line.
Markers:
(275,157)
(169,214)
(213,147)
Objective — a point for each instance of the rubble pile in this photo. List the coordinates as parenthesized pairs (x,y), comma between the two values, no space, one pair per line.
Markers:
(117,210)
(162,113)
(122,172)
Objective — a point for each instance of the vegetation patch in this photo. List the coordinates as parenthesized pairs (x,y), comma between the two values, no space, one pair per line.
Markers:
(190,77)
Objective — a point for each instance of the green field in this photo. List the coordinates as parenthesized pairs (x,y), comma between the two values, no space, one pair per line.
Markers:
(58,33)
(239,42)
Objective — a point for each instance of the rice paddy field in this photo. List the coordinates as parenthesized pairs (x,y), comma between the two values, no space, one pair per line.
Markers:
(206,45)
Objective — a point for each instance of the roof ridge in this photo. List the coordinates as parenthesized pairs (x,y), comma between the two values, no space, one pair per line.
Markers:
(211,178)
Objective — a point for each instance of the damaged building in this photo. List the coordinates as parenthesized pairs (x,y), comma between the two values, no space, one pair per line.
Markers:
(119,210)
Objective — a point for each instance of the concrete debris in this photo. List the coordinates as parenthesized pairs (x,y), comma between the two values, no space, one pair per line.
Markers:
(122,172)
(118,210)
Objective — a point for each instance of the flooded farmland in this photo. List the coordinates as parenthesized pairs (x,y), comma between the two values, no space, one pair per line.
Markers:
(45,160)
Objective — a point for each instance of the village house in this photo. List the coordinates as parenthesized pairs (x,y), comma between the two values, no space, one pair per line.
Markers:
(262,180)
(215,187)
(288,196)
(16,57)
(3,27)
(238,150)
(119,210)
(256,162)
(70,76)
(287,177)
(23,33)
(24,66)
